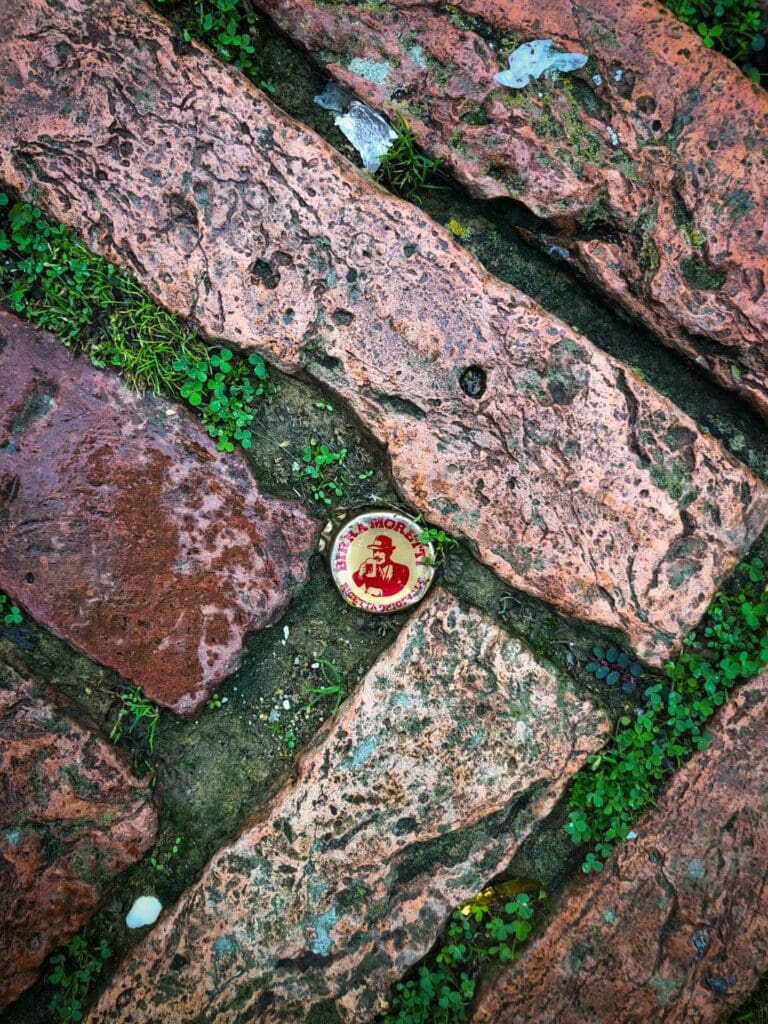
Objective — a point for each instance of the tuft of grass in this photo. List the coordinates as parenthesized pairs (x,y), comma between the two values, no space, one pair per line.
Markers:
(333,687)
(404,169)
(621,781)
(49,277)
(135,708)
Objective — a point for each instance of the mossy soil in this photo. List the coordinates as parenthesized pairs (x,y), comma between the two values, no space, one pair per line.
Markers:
(212,774)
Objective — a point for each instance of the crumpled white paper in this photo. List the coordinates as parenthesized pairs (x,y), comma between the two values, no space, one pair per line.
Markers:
(369,132)
(534,59)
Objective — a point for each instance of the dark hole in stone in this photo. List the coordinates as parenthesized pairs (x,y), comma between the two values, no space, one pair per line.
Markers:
(404,825)
(656,125)
(473,381)
(30,577)
(342,316)
(647,104)
(266,999)
(262,272)
(351,276)
(178,962)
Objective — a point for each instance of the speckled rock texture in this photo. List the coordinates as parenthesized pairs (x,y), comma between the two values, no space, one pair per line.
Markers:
(455,743)
(649,167)
(125,532)
(675,930)
(570,477)
(72,816)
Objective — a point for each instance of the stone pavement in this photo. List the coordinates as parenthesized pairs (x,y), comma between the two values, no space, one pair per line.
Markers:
(569,477)
(125,532)
(648,167)
(72,816)
(675,930)
(457,739)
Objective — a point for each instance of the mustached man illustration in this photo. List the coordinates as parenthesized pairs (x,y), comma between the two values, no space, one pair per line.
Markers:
(379,575)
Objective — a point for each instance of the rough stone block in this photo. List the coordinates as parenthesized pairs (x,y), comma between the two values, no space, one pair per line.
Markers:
(72,816)
(125,532)
(455,744)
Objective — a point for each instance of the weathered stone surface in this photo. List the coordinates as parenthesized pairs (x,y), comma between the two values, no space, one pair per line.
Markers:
(654,180)
(71,818)
(571,478)
(676,927)
(456,742)
(125,532)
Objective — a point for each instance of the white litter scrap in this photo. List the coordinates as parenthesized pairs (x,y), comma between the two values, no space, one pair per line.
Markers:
(369,132)
(534,59)
(145,910)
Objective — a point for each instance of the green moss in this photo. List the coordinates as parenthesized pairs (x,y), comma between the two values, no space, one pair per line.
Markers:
(700,276)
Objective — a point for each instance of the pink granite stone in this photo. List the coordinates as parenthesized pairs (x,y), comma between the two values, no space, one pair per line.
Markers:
(455,744)
(125,532)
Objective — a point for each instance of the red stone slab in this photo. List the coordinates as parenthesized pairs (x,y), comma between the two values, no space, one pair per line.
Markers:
(454,745)
(72,817)
(654,180)
(125,532)
(571,478)
(676,927)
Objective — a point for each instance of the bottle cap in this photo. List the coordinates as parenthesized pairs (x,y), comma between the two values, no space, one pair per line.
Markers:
(378,562)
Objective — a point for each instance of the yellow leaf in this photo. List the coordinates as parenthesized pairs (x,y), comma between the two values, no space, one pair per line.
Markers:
(500,891)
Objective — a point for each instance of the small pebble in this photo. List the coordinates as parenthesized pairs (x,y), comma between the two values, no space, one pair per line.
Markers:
(287,705)
(145,910)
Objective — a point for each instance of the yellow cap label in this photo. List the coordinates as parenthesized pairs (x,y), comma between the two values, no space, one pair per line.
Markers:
(379,564)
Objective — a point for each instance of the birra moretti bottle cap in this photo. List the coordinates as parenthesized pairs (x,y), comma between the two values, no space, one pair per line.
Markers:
(378,561)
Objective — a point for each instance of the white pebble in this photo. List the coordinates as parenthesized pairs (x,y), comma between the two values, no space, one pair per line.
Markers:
(145,910)
(287,705)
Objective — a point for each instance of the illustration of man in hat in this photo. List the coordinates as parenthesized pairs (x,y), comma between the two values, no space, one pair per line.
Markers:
(379,575)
